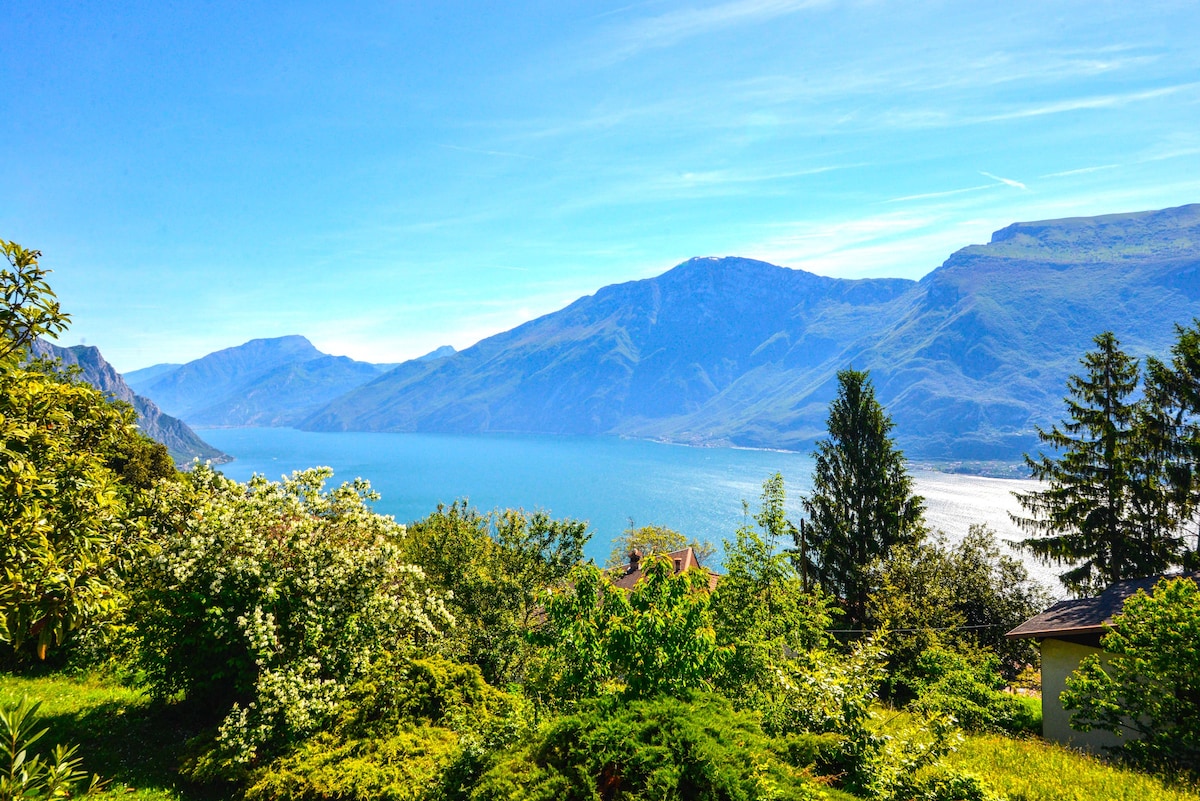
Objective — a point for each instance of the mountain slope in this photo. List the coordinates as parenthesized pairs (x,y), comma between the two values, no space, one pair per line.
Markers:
(182,443)
(265,382)
(193,386)
(645,350)
(743,352)
(285,394)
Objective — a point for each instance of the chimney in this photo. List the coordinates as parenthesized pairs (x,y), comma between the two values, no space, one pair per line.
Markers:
(635,559)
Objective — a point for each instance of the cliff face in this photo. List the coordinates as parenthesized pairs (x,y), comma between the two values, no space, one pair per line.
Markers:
(182,443)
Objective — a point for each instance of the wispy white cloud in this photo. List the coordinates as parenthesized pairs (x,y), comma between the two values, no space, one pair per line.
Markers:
(482,152)
(1005,181)
(673,27)
(1080,171)
(946,193)
(1085,103)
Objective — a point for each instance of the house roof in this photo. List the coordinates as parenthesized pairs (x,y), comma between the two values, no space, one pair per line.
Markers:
(1081,616)
(684,560)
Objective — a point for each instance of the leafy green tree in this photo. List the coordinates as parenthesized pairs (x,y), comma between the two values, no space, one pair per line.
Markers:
(962,596)
(266,601)
(72,468)
(494,569)
(862,504)
(656,639)
(760,605)
(652,539)
(1150,689)
(66,514)
(30,309)
(1089,516)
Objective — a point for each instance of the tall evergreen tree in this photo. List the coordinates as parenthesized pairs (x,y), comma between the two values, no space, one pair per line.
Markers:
(862,504)
(1173,407)
(1102,511)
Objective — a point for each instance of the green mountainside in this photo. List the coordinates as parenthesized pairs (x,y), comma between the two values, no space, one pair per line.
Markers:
(182,443)
(736,351)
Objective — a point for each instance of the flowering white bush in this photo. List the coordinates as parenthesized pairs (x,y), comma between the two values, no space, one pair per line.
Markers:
(269,599)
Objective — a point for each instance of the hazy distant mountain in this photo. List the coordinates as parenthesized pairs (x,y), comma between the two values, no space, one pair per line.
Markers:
(739,351)
(265,382)
(434,355)
(180,440)
(286,394)
(147,374)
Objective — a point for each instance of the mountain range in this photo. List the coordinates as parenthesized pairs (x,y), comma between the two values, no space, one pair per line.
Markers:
(265,382)
(182,443)
(733,351)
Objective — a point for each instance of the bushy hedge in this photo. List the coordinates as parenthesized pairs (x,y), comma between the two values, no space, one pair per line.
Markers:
(694,747)
(411,729)
(968,687)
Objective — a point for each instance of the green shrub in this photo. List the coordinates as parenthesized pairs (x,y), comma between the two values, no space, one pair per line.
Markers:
(1150,689)
(267,601)
(968,687)
(695,747)
(656,639)
(411,729)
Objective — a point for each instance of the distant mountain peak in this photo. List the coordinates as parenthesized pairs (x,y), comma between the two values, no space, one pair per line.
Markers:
(736,350)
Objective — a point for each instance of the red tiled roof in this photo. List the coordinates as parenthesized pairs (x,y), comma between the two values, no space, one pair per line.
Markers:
(683,561)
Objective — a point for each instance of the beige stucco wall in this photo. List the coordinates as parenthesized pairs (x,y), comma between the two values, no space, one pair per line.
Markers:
(1059,660)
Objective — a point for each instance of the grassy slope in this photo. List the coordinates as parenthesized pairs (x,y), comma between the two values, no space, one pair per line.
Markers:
(120,735)
(123,737)
(1034,770)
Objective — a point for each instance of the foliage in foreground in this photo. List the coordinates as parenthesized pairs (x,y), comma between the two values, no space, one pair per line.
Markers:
(1150,689)
(412,729)
(664,748)
(266,601)
(493,570)
(961,597)
(25,774)
(967,687)
(72,465)
(600,640)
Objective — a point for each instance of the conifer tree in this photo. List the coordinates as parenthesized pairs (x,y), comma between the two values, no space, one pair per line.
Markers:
(1101,512)
(861,505)
(1172,401)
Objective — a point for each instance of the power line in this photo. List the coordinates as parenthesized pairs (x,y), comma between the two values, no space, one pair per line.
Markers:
(915,631)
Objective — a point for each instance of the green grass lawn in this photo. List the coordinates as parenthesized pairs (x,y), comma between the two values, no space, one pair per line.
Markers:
(120,734)
(1031,769)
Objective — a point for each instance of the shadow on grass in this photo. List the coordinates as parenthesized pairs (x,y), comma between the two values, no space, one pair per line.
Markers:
(140,746)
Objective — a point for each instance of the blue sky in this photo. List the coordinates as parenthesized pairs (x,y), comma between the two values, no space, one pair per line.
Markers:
(389,177)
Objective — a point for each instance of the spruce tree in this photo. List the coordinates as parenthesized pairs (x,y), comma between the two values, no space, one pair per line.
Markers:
(861,505)
(1102,511)
(1173,412)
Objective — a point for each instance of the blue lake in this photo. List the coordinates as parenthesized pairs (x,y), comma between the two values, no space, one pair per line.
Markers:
(605,480)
